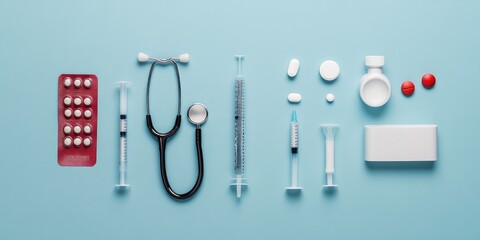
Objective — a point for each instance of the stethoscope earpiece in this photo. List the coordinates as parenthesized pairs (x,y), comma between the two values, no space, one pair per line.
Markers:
(183,58)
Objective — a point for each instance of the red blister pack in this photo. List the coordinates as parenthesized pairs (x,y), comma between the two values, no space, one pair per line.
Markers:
(77,119)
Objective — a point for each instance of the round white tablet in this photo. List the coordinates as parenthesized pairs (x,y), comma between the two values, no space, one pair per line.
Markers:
(67,141)
(329,70)
(67,82)
(294,97)
(87,83)
(87,129)
(77,82)
(67,101)
(67,129)
(68,113)
(87,101)
(78,113)
(77,141)
(77,129)
(88,113)
(77,101)
(330,97)
(87,141)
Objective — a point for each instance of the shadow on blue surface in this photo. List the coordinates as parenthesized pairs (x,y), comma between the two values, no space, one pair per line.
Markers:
(400,165)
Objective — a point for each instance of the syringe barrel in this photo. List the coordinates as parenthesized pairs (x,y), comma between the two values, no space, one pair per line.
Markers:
(123,98)
(294,137)
(330,156)
(239,126)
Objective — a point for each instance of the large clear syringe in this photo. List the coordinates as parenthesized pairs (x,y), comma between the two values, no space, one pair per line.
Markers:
(123,136)
(239,180)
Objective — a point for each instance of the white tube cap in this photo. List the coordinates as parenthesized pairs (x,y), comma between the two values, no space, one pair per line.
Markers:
(184,58)
(142,57)
(374,61)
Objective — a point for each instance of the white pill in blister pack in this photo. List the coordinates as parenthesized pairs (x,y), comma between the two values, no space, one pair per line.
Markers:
(78,113)
(87,129)
(68,113)
(67,129)
(77,101)
(87,101)
(88,113)
(67,101)
(87,141)
(294,97)
(77,141)
(67,82)
(67,141)
(77,129)
(77,82)
(87,83)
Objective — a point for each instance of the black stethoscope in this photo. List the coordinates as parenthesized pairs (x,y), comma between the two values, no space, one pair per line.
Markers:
(197,114)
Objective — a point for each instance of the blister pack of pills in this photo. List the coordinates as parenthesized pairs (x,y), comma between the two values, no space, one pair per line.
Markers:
(77,119)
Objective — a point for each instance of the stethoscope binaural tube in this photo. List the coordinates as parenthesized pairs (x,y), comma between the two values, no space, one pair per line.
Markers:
(163,138)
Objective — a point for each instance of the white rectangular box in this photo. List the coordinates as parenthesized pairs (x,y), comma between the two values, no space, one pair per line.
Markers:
(398,143)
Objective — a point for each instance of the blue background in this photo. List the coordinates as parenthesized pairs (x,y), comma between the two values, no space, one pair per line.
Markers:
(42,39)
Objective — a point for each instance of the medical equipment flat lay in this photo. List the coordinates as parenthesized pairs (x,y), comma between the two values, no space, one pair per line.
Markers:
(77,123)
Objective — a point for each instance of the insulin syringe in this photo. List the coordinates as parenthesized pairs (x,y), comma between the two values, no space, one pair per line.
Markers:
(123,137)
(294,152)
(239,180)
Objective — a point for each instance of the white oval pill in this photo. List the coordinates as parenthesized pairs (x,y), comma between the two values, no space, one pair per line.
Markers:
(329,70)
(294,97)
(330,97)
(293,67)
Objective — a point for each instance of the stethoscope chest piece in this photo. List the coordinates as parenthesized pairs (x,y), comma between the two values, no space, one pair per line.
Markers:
(197,114)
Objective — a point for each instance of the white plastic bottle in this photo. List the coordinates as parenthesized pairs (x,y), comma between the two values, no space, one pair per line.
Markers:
(375,88)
